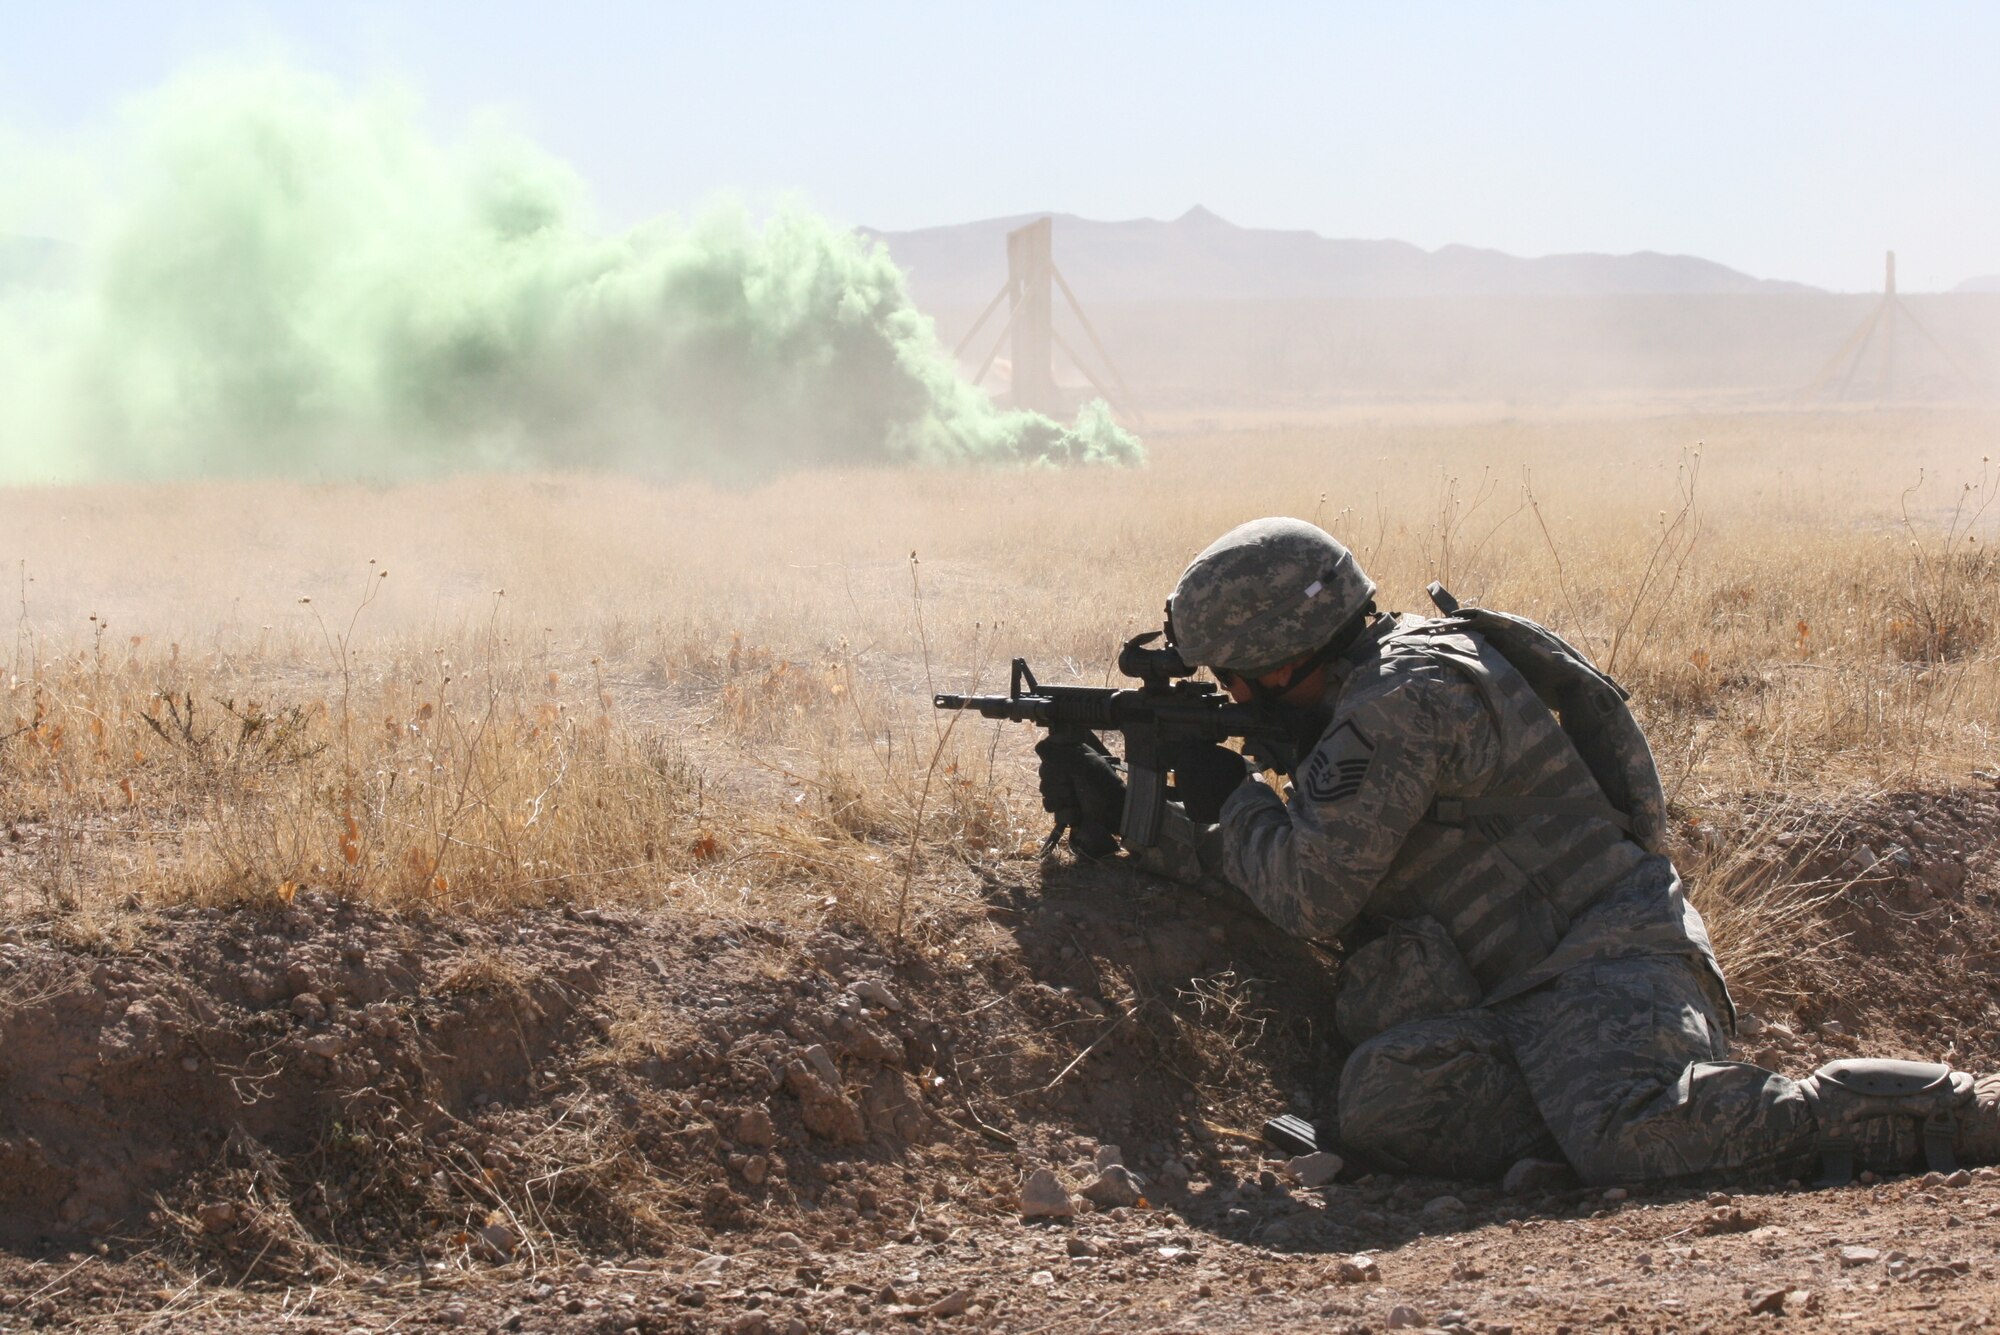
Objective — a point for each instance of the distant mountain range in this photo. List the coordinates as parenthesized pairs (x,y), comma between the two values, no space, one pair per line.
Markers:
(1199,256)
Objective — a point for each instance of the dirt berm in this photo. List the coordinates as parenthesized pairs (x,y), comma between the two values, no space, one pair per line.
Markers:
(465,1111)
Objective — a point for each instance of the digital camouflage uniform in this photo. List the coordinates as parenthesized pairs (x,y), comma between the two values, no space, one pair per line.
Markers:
(1531,987)
(1524,976)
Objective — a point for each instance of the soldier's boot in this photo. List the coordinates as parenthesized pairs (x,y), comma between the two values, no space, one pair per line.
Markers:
(1979,1123)
(1891,1116)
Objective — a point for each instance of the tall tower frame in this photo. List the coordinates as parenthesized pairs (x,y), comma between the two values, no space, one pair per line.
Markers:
(1029,331)
(1881,327)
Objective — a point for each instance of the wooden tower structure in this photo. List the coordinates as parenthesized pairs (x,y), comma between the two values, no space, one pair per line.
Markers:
(1866,365)
(1029,331)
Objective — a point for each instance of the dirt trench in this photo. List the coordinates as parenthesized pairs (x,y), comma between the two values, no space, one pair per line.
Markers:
(322,1093)
(362,1075)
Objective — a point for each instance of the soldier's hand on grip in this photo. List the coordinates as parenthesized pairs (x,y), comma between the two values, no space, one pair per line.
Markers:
(1205,774)
(1081,788)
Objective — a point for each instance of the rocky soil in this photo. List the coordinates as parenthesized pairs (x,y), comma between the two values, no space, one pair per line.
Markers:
(1032,1113)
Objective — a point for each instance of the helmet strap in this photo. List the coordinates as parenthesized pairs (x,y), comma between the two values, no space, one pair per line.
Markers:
(1337,645)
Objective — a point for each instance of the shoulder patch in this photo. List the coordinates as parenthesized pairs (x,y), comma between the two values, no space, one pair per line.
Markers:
(1338,765)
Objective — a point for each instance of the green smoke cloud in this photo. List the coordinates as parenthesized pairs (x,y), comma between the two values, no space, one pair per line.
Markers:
(288,279)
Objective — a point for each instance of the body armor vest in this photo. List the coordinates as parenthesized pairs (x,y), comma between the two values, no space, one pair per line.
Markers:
(1505,869)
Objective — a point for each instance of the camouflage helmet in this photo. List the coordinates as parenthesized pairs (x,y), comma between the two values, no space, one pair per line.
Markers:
(1264,593)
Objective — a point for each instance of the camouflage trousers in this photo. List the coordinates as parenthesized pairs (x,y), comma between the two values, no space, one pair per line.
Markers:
(1619,1067)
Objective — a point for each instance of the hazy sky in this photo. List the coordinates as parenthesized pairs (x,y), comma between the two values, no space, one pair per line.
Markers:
(1791,140)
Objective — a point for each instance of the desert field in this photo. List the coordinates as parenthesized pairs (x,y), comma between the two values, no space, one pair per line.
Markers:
(449,875)
(415,693)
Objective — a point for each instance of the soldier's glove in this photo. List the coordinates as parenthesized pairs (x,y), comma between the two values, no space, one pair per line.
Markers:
(1205,774)
(1082,789)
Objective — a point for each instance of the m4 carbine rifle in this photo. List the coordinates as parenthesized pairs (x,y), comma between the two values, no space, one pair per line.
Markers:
(1165,715)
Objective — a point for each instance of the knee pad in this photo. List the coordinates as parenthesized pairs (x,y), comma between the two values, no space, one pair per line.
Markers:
(1879,1113)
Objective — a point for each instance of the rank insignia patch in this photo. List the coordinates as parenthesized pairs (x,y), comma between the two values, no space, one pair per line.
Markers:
(1339,765)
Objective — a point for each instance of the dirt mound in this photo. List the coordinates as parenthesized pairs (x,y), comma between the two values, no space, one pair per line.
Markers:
(321,1082)
(324,1092)
(1899,951)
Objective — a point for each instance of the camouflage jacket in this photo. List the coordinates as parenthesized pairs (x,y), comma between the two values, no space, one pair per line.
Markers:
(1438,915)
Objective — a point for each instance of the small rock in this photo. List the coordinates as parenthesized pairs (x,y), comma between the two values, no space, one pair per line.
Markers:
(1083,1247)
(1803,1301)
(216,1217)
(1443,1207)
(824,1107)
(755,1169)
(755,1127)
(1043,1196)
(1115,1186)
(1616,1194)
(1961,1178)
(821,1062)
(790,1242)
(1315,1169)
(1107,1156)
(875,994)
(1359,1268)
(1726,1219)
(1833,1027)
(453,1314)
(1043,1279)
(497,1243)
(1404,1317)
(1530,1175)
(1854,1256)
(307,1006)
(1749,1025)
(1768,1300)
(952,1304)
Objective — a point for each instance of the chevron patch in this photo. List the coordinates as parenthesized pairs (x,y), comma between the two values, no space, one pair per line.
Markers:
(1338,765)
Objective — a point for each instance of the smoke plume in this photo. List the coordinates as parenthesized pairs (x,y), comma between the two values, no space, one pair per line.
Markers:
(286,279)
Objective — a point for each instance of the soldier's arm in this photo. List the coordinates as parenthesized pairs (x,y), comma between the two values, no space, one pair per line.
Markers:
(1311,865)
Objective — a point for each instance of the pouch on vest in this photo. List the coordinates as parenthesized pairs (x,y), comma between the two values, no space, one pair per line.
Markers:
(1590,707)
(1412,971)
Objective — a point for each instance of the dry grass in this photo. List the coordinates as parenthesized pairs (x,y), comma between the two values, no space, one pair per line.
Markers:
(484,692)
